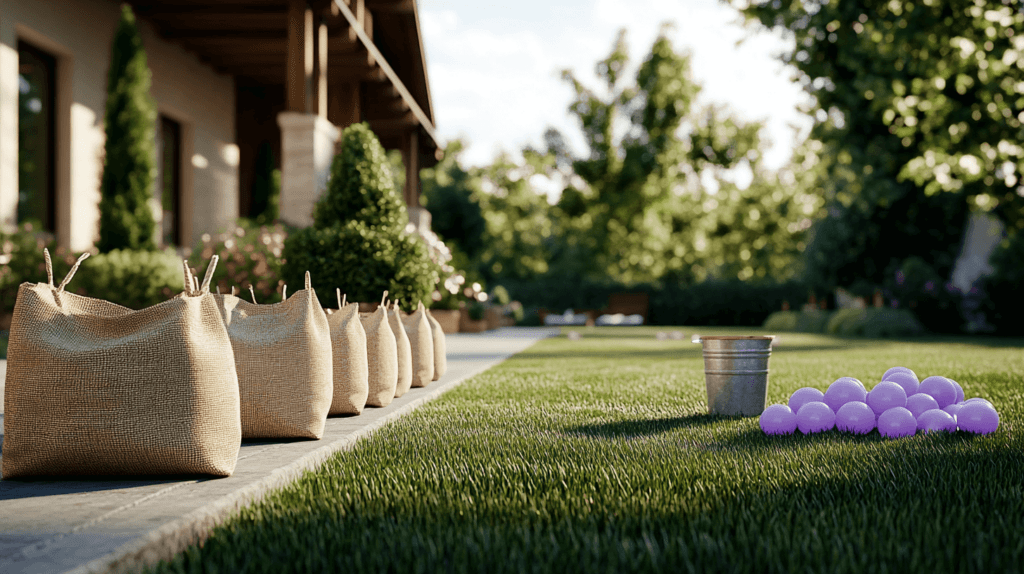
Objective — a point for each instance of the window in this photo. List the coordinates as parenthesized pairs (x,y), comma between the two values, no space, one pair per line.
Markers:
(168,192)
(36,136)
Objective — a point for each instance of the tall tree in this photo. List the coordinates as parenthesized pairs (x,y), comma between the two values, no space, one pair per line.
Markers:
(918,112)
(631,220)
(129,162)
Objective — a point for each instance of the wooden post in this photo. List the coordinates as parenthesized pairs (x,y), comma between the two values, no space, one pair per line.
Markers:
(320,71)
(299,69)
(411,159)
(344,109)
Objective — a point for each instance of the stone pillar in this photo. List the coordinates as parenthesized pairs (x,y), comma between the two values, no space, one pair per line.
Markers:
(307,148)
(419,217)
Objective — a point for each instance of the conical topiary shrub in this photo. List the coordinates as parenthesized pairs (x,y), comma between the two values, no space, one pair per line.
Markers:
(357,241)
(126,219)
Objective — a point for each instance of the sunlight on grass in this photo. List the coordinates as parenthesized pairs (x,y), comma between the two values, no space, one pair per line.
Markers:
(598,455)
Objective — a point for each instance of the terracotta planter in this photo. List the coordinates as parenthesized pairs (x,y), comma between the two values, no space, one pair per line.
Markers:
(493,318)
(448,318)
(467,325)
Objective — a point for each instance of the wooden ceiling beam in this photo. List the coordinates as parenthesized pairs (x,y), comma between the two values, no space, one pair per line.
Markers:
(392,6)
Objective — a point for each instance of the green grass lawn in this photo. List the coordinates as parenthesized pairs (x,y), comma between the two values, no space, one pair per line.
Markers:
(598,456)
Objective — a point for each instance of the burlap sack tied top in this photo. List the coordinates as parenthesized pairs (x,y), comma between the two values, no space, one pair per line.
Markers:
(351,369)
(404,350)
(94,388)
(421,339)
(382,355)
(284,361)
(440,347)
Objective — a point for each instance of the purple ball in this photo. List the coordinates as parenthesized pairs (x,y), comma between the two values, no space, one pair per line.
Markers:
(842,391)
(940,388)
(897,422)
(906,380)
(885,396)
(959,391)
(920,403)
(778,419)
(978,418)
(852,380)
(885,377)
(978,400)
(856,417)
(815,416)
(936,420)
(802,396)
(953,409)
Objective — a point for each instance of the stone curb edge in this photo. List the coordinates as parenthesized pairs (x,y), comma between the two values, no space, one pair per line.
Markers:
(170,539)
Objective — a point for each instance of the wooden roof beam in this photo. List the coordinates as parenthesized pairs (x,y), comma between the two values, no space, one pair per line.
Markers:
(414,108)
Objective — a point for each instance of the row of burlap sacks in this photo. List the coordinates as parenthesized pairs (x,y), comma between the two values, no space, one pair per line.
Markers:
(94,388)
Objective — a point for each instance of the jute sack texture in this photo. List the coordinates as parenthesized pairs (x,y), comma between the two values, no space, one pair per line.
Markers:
(94,388)
(404,350)
(382,355)
(285,364)
(351,367)
(421,339)
(440,348)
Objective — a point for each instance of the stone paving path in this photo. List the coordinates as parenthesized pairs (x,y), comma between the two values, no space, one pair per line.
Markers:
(115,525)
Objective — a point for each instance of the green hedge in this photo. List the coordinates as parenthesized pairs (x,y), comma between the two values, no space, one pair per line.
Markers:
(799,321)
(875,323)
(712,303)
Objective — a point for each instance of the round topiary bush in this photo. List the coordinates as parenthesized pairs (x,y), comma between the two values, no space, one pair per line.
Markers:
(360,187)
(362,262)
(358,241)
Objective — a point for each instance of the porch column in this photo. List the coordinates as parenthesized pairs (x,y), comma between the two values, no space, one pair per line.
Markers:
(418,215)
(307,138)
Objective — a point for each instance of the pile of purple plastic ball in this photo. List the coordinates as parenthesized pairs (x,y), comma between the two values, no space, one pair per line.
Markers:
(898,406)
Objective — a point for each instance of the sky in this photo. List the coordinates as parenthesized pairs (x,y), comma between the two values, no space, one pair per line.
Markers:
(494,67)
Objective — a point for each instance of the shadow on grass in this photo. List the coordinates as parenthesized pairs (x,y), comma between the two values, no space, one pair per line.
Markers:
(649,427)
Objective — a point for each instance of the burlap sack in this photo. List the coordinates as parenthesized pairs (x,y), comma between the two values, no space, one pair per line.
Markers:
(421,339)
(351,369)
(382,356)
(404,350)
(94,388)
(285,365)
(440,348)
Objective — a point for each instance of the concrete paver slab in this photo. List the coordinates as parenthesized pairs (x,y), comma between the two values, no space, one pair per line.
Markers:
(118,524)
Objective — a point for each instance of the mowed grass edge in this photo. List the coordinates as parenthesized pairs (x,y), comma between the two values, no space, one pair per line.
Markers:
(598,456)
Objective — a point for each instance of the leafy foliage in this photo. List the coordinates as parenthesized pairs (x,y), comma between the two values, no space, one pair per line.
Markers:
(134,279)
(874,323)
(361,186)
(1003,288)
(363,262)
(358,241)
(126,218)
(250,254)
(916,107)
(633,219)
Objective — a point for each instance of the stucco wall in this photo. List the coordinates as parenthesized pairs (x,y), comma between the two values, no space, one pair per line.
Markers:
(79,33)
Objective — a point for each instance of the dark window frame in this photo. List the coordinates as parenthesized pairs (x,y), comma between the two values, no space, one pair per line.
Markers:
(49,62)
(171,126)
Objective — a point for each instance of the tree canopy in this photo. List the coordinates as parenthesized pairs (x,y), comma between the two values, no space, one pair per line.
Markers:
(918,109)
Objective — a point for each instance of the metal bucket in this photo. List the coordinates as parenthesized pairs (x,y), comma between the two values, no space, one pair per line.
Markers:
(736,373)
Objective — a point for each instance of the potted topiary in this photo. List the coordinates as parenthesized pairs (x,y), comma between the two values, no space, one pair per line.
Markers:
(358,241)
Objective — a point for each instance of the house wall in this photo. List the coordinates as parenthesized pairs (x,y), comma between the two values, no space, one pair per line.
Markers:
(79,34)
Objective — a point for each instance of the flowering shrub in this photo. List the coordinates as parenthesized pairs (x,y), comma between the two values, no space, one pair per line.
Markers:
(250,254)
(134,279)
